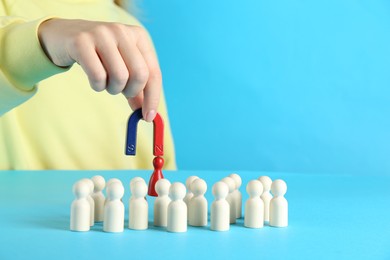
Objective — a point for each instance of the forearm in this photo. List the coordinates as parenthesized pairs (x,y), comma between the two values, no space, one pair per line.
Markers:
(23,63)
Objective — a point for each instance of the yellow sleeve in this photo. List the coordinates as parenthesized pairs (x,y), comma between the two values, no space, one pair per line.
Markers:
(23,63)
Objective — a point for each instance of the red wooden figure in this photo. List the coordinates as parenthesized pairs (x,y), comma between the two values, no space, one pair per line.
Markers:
(158,163)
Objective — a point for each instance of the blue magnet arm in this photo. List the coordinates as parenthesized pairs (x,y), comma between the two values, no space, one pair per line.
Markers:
(131,138)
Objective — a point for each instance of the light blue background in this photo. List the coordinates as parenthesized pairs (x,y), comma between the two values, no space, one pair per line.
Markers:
(283,85)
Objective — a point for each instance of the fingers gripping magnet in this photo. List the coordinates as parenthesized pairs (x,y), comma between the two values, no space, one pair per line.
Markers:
(158,145)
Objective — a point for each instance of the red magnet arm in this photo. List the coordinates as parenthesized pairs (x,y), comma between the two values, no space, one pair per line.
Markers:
(158,136)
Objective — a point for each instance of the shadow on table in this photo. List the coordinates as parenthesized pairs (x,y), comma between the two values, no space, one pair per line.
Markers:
(60,223)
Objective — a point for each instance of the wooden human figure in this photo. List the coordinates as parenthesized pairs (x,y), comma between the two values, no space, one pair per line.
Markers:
(254,206)
(138,206)
(135,179)
(98,197)
(90,200)
(278,207)
(189,193)
(158,163)
(177,209)
(80,209)
(112,180)
(237,194)
(230,198)
(114,210)
(198,204)
(161,203)
(266,196)
(220,209)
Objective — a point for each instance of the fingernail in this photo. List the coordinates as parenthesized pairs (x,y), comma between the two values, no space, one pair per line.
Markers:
(150,116)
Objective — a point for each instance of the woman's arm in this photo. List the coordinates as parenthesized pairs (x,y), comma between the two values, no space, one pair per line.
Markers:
(22,61)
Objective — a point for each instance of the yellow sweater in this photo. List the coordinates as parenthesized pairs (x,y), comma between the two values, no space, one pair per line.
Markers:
(50,118)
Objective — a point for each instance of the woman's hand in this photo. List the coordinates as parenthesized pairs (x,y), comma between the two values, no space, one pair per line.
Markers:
(116,57)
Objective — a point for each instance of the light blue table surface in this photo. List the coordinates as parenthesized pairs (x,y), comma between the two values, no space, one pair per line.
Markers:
(330,217)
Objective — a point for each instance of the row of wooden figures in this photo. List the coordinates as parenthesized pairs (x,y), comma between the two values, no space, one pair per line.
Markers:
(176,206)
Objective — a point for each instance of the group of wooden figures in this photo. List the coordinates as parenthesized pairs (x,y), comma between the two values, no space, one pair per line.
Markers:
(178,205)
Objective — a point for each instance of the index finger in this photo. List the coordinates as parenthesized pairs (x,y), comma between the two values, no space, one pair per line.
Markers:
(152,90)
